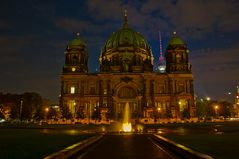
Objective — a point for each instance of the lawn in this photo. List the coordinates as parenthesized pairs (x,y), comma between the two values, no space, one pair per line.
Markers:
(35,143)
(219,140)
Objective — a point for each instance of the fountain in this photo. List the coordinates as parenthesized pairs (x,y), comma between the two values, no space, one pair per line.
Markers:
(127,127)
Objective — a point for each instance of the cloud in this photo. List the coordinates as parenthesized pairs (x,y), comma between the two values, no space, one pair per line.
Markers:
(138,20)
(215,71)
(83,26)
(104,9)
(196,18)
(214,59)
(12,48)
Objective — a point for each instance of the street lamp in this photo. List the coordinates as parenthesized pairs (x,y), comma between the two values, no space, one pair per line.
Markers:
(21,110)
(208,98)
(159,111)
(216,107)
(46,110)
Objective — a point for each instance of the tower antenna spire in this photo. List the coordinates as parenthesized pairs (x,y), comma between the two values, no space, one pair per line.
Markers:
(125,18)
(161,65)
(161,58)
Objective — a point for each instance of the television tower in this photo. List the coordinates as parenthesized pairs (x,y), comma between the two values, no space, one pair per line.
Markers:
(162,65)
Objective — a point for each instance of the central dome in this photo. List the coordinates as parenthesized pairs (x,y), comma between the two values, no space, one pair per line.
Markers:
(123,38)
(128,47)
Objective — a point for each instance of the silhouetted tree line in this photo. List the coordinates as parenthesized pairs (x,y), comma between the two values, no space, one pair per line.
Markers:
(26,106)
(207,108)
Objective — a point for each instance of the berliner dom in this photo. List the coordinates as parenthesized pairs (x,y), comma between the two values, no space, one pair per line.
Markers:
(127,76)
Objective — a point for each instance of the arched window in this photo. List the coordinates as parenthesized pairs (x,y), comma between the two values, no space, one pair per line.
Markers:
(127,92)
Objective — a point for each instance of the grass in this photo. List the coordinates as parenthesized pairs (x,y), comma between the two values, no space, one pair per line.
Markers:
(210,141)
(34,143)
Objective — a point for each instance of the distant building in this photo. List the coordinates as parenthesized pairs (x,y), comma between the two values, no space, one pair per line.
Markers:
(126,76)
(237,102)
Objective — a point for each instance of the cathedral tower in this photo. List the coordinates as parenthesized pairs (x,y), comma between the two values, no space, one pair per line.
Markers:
(76,56)
(177,56)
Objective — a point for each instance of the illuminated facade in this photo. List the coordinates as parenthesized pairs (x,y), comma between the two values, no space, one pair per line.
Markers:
(126,76)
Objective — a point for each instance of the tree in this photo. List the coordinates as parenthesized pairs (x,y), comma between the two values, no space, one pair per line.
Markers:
(168,113)
(80,113)
(226,109)
(26,106)
(96,114)
(66,112)
(201,108)
(2,116)
(31,105)
(185,113)
(52,113)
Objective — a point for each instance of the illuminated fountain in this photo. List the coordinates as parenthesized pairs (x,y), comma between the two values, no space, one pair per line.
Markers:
(127,127)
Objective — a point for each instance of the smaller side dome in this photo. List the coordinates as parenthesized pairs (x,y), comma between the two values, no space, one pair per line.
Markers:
(176,40)
(76,41)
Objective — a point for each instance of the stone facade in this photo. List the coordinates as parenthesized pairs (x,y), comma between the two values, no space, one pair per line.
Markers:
(126,76)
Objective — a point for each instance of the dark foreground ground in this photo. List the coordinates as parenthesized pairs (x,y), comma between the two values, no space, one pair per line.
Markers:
(127,146)
(219,140)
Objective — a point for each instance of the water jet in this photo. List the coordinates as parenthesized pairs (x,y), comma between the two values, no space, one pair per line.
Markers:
(126,126)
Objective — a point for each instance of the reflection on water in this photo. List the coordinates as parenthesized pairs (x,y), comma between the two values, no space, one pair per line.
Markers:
(181,130)
(67,131)
(213,129)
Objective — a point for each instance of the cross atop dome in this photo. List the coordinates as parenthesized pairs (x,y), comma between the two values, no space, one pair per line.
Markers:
(77,34)
(125,19)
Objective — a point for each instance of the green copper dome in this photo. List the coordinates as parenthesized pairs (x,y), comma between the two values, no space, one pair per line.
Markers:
(124,39)
(76,41)
(126,51)
(176,40)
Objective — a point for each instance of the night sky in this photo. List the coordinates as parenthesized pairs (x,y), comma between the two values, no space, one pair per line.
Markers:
(34,35)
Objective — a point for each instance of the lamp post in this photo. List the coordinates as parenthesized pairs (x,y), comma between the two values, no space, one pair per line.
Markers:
(159,112)
(216,107)
(46,110)
(208,99)
(20,113)
(74,115)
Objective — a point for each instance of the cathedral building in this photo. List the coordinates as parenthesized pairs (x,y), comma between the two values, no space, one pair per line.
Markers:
(127,76)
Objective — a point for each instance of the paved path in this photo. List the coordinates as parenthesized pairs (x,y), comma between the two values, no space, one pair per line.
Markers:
(126,147)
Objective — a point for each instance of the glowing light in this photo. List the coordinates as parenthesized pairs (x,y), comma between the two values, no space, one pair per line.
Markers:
(46,109)
(72,132)
(127,127)
(2,120)
(72,90)
(103,129)
(73,69)
(208,98)
(140,128)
